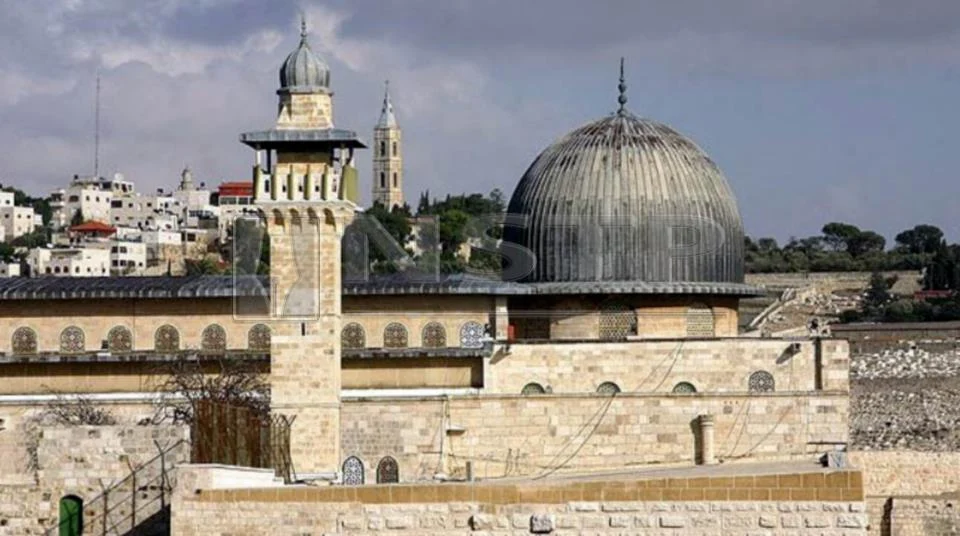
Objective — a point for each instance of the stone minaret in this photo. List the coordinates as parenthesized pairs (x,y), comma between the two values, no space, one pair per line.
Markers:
(387,157)
(305,186)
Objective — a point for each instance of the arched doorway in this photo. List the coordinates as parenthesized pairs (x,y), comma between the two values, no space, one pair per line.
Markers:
(71,516)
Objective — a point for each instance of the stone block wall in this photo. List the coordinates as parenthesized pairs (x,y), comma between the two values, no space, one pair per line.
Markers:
(813,503)
(910,489)
(83,461)
(715,365)
(503,436)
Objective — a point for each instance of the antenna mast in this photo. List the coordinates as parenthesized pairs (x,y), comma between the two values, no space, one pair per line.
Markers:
(96,133)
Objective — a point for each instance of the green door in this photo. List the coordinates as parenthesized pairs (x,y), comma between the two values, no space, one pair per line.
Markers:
(71,516)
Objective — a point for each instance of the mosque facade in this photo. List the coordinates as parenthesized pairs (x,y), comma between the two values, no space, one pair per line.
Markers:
(614,327)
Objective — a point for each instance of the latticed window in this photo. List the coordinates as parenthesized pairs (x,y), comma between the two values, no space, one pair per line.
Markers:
(388,472)
(214,338)
(471,335)
(533,388)
(258,338)
(700,321)
(608,388)
(71,339)
(24,341)
(353,336)
(119,339)
(617,320)
(434,336)
(684,387)
(166,339)
(353,471)
(761,381)
(395,336)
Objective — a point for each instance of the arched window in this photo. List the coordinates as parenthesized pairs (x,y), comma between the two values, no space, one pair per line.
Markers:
(24,341)
(383,180)
(761,381)
(353,471)
(617,320)
(394,179)
(395,336)
(700,321)
(258,338)
(119,339)
(71,339)
(383,148)
(471,335)
(166,339)
(213,339)
(684,388)
(353,336)
(608,388)
(388,472)
(533,388)
(394,148)
(434,336)
(71,516)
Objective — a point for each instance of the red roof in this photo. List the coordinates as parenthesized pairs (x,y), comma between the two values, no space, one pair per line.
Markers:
(236,189)
(93,226)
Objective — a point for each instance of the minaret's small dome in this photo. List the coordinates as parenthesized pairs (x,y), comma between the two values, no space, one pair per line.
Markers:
(303,70)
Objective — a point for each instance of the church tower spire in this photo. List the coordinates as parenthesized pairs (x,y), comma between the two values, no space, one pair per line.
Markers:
(387,157)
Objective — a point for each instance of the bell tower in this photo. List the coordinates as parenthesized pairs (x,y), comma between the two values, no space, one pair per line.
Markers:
(387,157)
(305,187)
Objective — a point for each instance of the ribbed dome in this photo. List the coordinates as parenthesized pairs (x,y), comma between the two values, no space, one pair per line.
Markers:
(626,199)
(303,70)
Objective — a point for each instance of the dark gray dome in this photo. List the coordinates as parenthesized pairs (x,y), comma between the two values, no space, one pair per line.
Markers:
(303,70)
(624,199)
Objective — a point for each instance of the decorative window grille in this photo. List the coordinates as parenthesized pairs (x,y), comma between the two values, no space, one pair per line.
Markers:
(395,336)
(353,336)
(608,388)
(214,338)
(388,472)
(258,338)
(119,339)
(166,339)
(617,320)
(684,388)
(533,388)
(761,381)
(434,336)
(700,321)
(24,341)
(471,335)
(71,339)
(353,472)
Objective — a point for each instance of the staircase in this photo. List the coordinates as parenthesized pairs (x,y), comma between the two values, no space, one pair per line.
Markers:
(138,505)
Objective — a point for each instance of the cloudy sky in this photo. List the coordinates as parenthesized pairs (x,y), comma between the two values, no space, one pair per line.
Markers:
(816,110)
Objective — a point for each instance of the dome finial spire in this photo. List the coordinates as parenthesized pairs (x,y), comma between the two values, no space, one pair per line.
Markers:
(303,27)
(622,99)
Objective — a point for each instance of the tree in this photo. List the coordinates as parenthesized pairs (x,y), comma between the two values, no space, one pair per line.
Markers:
(77,218)
(921,239)
(865,242)
(190,381)
(878,293)
(837,235)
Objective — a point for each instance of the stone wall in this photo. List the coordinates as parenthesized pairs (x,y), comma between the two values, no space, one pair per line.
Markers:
(906,280)
(714,365)
(83,461)
(804,504)
(511,435)
(907,487)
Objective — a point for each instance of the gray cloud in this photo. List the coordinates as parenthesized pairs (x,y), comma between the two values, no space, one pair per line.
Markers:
(480,87)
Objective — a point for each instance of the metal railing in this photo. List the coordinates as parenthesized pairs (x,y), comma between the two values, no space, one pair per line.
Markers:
(137,504)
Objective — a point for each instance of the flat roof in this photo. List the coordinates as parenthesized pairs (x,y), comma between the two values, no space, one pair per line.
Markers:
(227,286)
